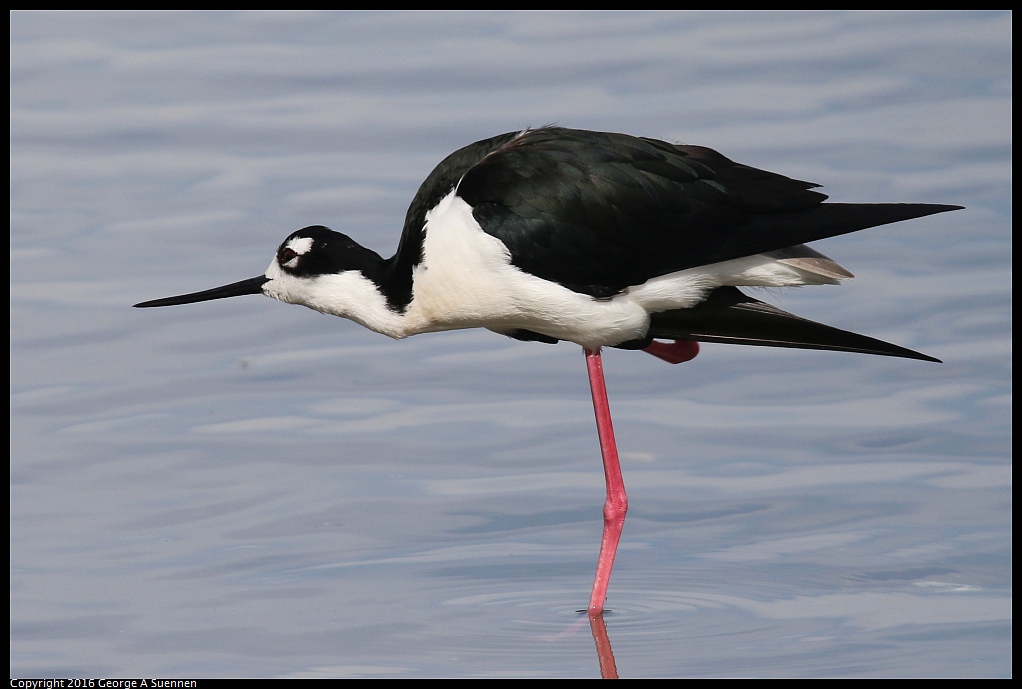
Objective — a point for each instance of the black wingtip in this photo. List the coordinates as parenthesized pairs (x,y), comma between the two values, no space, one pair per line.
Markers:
(728,316)
(918,210)
(841,218)
(772,231)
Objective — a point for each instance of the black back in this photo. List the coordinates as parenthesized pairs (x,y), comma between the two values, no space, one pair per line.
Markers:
(598,212)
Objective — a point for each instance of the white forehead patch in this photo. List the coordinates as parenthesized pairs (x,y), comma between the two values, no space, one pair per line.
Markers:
(300,245)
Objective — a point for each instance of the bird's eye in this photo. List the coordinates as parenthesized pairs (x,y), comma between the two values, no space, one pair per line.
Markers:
(286,255)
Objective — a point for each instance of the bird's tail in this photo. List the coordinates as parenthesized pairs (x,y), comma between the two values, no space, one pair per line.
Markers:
(731,317)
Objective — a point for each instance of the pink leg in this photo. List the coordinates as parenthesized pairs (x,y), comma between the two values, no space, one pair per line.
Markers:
(676,352)
(616,506)
(604,653)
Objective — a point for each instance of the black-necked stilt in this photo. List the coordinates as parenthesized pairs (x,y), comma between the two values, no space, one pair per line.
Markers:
(596,238)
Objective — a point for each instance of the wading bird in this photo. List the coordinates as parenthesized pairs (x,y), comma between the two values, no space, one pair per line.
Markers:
(605,240)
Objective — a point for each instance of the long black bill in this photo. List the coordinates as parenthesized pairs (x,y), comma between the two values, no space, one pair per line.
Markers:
(235,289)
(731,317)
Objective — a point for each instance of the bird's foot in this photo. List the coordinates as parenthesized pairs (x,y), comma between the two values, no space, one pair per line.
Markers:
(676,352)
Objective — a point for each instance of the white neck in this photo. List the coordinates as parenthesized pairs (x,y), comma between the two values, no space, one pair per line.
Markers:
(349,295)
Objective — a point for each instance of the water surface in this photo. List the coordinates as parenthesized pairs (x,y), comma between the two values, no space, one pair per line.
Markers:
(243,488)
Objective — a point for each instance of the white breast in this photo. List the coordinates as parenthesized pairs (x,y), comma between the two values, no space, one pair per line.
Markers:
(466,280)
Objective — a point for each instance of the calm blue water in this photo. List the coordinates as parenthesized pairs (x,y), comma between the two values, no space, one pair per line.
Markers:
(243,488)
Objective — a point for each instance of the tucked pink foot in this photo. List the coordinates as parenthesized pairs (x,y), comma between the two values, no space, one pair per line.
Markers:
(676,352)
